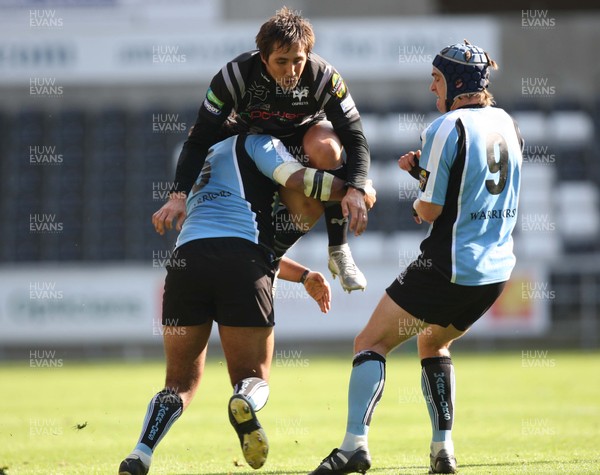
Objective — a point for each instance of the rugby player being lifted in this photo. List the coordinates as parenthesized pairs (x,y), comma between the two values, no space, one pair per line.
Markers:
(285,90)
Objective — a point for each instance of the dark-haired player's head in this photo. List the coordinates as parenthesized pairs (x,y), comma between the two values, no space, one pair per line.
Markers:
(284,42)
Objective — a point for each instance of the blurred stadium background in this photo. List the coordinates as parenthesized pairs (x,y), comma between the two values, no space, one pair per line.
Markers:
(98,95)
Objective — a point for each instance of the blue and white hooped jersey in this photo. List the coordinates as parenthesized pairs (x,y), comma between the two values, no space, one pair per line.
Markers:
(472,159)
(233,195)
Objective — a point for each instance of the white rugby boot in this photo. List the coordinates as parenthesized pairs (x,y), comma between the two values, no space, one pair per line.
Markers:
(341,264)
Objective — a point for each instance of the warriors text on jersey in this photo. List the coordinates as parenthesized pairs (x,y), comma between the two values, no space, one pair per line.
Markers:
(472,161)
(233,195)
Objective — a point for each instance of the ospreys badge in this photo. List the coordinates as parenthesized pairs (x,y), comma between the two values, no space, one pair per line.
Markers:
(300,93)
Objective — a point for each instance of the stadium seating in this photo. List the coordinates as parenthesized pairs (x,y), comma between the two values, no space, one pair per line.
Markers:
(111,169)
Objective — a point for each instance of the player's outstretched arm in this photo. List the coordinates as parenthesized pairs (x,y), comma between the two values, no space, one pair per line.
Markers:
(314,282)
(193,154)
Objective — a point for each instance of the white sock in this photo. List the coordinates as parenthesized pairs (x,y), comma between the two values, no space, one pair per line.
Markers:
(144,457)
(352,442)
(255,390)
(447,445)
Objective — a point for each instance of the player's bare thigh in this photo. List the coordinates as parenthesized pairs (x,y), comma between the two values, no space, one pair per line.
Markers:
(248,351)
(390,325)
(185,352)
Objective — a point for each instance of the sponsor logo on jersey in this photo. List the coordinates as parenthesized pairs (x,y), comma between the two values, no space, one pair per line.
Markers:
(266,115)
(338,86)
(210,108)
(347,104)
(214,100)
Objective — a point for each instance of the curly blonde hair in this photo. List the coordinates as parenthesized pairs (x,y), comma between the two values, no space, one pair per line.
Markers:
(484,98)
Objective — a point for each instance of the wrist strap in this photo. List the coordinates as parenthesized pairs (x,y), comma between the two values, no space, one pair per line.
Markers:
(304,276)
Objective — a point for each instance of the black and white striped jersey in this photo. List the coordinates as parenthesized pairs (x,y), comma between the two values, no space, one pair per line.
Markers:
(265,107)
(244,93)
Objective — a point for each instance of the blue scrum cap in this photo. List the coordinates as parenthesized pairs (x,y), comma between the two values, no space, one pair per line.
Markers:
(465,68)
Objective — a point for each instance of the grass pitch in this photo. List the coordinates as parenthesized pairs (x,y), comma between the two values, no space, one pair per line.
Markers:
(521,412)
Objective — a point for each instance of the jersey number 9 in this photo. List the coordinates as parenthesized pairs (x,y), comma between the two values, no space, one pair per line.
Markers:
(497,159)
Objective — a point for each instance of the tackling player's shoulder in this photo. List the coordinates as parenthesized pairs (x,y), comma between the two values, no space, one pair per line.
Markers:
(317,61)
(318,67)
(236,74)
(246,61)
(251,55)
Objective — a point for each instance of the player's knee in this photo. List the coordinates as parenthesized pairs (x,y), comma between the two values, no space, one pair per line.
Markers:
(430,345)
(324,154)
(366,340)
(362,343)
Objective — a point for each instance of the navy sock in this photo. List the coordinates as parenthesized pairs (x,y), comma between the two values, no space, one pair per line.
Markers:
(438,385)
(337,225)
(164,409)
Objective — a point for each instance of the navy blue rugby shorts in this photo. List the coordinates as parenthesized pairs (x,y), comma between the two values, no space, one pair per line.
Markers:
(226,280)
(427,295)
